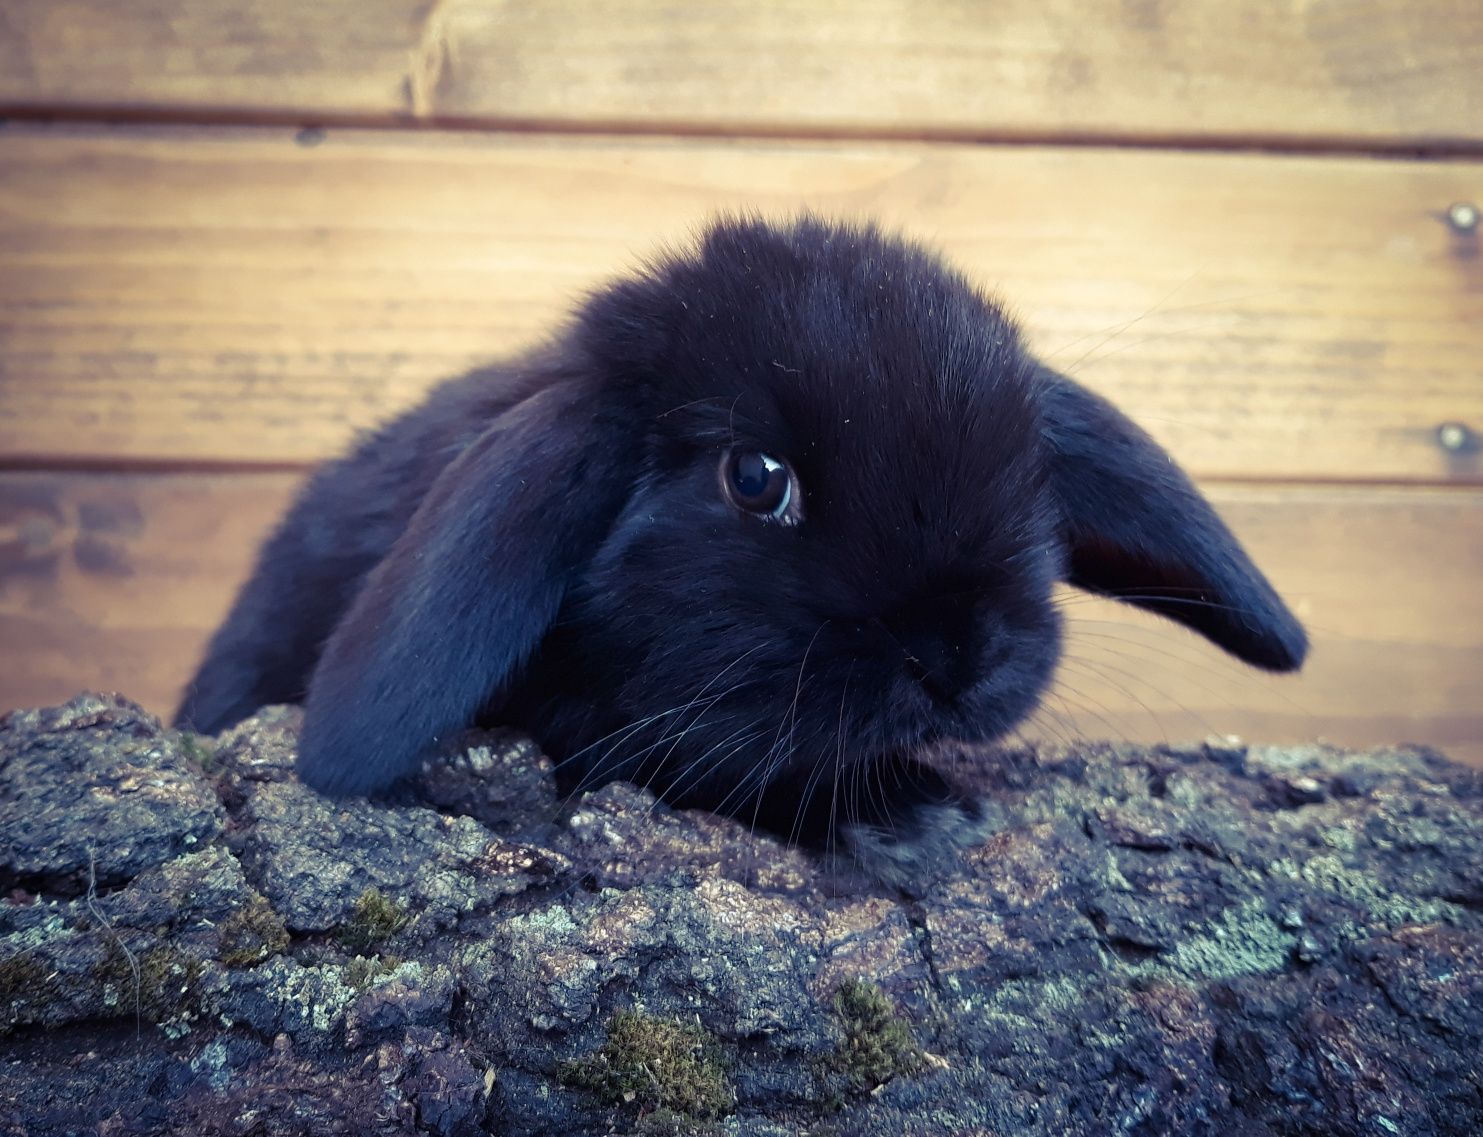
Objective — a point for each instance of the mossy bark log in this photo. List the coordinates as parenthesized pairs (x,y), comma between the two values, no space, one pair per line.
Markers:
(1213,939)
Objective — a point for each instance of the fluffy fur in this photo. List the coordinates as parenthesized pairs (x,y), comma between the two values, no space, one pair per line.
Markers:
(547,545)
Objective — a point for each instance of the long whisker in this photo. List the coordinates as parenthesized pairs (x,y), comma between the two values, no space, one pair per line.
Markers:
(1088,667)
(633,728)
(1119,329)
(1163,596)
(1116,330)
(695,771)
(612,759)
(1218,671)
(1064,686)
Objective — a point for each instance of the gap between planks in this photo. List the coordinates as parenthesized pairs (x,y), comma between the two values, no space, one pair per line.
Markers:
(1441,148)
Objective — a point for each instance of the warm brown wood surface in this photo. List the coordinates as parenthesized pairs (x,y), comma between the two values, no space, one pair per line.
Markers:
(115,581)
(188,296)
(1302,329)
(1375,71)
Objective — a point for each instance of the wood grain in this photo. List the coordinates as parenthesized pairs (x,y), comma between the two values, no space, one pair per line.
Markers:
(192,296)
(1373,71)
(114,582)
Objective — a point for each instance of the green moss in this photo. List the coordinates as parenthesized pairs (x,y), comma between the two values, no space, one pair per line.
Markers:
(878,1045)
(673,1072)
(251,934)
(361,970)
(375,918)
(165,983)
(201,751)
(25,985)
(668,1123)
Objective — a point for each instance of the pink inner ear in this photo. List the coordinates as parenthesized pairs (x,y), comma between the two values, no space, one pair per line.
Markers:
(1243,621)
(1116,570)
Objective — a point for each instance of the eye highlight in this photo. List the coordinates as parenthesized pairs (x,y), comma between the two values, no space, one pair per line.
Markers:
(761,484)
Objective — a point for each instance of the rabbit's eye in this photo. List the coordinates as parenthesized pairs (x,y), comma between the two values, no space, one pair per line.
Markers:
(759,483)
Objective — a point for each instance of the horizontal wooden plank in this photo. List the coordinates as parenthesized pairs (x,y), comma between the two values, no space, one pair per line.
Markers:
(198,296)
(114,582)
(1379,71)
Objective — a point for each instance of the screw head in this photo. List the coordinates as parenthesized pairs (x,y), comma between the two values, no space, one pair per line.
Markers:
(1454,437)
(1463,216)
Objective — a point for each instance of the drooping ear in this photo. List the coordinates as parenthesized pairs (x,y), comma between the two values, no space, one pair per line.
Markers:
(467,593)
(1137,530)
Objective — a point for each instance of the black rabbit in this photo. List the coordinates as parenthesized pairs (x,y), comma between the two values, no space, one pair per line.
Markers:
(767,521)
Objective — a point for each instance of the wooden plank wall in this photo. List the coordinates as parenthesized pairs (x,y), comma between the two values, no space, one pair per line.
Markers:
(232,234)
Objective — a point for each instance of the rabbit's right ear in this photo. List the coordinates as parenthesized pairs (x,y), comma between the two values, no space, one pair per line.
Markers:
(447,620)
(1138,530)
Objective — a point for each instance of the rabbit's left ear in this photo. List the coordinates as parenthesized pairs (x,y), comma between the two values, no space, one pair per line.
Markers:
(447,620)
(1137,530)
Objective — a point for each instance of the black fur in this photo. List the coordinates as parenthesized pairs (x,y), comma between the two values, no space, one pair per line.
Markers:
(547,545)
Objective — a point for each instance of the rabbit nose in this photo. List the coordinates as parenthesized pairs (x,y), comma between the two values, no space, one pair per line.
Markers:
(938,674)
(936,646)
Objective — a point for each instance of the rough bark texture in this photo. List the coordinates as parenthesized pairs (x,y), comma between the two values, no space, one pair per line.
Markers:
(1216,939)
